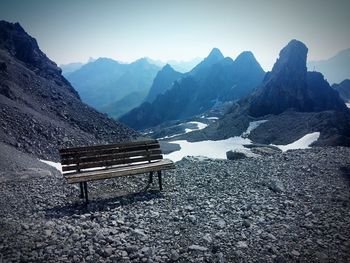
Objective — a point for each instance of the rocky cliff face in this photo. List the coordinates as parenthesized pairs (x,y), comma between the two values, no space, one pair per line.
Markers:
(39,110)
(290,86)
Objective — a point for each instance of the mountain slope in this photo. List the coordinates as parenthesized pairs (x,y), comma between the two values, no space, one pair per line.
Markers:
(105,81)
(162,82)
(211,82)
(335,69)
(95,81)
(343,89)
(124,105)
(40,110)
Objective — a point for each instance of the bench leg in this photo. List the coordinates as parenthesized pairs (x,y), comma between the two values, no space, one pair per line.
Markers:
(86,192)
(150,178)
(160,180)
(81,190)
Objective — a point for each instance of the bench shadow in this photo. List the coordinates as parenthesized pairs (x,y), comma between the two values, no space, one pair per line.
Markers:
(103,204)
(345,170)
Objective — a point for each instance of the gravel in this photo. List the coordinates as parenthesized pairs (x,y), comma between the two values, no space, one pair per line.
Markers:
(209,211)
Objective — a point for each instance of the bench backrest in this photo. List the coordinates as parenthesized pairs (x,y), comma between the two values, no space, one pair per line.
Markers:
(78,158)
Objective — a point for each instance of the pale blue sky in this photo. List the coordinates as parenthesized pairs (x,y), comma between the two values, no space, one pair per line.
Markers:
(71,31)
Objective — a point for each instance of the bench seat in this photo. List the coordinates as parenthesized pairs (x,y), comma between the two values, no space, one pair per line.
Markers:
(110,172)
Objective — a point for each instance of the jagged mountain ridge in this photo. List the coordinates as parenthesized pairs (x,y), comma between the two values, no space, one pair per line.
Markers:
(215,80)
(40,110)
(295,102)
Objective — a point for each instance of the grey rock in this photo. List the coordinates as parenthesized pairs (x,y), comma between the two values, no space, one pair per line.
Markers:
(221,223)
(234,155)
(198,248)
(242,244)
(174,255)
(276,185)
(246,223)
(207,237)
(25,226)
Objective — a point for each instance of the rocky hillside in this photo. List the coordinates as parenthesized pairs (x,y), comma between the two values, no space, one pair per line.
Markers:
(212,82)
(39,109)
(289,207)
(295,102)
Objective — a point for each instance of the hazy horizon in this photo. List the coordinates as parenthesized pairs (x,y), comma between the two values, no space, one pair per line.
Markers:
(74,31)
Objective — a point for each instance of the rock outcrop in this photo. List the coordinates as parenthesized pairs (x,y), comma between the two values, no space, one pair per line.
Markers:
(290,86)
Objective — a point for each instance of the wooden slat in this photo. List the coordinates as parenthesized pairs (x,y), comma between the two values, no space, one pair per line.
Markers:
(100,151)
(107,146)
(109,157)
(120,171)
(110,163)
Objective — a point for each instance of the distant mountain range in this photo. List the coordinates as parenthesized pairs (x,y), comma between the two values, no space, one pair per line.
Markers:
(40,111)
(335,69)
(213,81)
(68,69)
(295,102)
(180,66)
(104,82)
(343,89)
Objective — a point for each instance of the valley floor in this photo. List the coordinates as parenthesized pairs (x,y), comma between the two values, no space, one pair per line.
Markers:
(289,207)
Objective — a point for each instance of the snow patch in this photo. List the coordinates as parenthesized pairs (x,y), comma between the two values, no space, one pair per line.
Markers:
(303,143)
(347,104)
(212,118)
(214,149)
(53,164)
(252,125)
(209,149)
(200,126)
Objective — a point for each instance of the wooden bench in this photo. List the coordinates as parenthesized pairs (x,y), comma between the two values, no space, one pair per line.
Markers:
(84,164)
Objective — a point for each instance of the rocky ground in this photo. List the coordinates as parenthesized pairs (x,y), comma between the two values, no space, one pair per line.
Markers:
(289,207)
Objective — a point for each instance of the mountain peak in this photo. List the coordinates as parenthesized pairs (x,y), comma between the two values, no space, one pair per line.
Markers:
(247,56)
(142,60)
(15,40)
(292,58)
(215,53)
(290,86)
(167,67)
